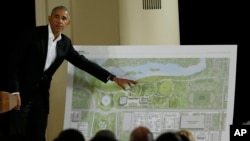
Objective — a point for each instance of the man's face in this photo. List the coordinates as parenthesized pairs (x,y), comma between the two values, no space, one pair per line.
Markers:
(59,20)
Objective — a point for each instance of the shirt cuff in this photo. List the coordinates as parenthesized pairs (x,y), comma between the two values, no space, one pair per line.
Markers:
(111,77)
(15,93)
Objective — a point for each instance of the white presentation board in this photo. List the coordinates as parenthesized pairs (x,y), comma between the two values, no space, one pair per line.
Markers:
(190,87)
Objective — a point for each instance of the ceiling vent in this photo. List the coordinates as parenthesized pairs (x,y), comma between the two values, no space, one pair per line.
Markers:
(151,4)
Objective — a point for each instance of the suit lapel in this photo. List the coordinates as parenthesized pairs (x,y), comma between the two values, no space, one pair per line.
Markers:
(44,46)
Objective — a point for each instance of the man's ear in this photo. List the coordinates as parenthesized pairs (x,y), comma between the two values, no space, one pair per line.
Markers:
(49,18)
(68,22)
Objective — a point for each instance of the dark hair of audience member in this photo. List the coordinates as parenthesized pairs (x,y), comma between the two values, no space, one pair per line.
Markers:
(104,135)
(70,135)
(102,138)
(106,132)
(169,136)
(184,138)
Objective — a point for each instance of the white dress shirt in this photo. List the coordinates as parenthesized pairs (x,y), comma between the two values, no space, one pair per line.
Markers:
(51,54)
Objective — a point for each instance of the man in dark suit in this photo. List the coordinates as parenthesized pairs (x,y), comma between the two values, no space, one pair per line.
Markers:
(39,53)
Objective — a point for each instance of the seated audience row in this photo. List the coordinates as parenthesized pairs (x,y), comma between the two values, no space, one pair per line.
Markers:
(139,133)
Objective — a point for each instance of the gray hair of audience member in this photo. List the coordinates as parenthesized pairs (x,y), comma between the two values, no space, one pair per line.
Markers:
(141,133)
(186,133)
(169,136)
(70,135)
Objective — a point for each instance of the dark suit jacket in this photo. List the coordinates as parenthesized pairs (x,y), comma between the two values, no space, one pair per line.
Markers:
(27,63)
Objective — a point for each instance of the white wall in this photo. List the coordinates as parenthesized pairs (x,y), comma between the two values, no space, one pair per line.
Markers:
(151,26)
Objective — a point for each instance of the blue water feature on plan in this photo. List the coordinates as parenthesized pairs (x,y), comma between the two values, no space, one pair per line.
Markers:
(145,70)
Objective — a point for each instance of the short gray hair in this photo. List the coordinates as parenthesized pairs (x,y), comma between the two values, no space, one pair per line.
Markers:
(59,7)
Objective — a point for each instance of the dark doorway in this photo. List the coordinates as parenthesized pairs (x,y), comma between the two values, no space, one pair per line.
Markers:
(16,17)
(215,23)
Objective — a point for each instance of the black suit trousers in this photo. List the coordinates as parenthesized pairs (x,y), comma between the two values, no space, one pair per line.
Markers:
(27,124)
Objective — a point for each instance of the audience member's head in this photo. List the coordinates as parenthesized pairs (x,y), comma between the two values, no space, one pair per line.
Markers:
(141,133)
(102,138)
(169,136)
(184,138)
(187,133)
(106,132)
(70,135)
(104,135)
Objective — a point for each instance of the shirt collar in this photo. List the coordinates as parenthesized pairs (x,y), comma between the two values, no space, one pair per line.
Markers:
(51,35)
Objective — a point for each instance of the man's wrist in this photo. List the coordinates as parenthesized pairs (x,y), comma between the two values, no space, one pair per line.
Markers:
(111,77)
